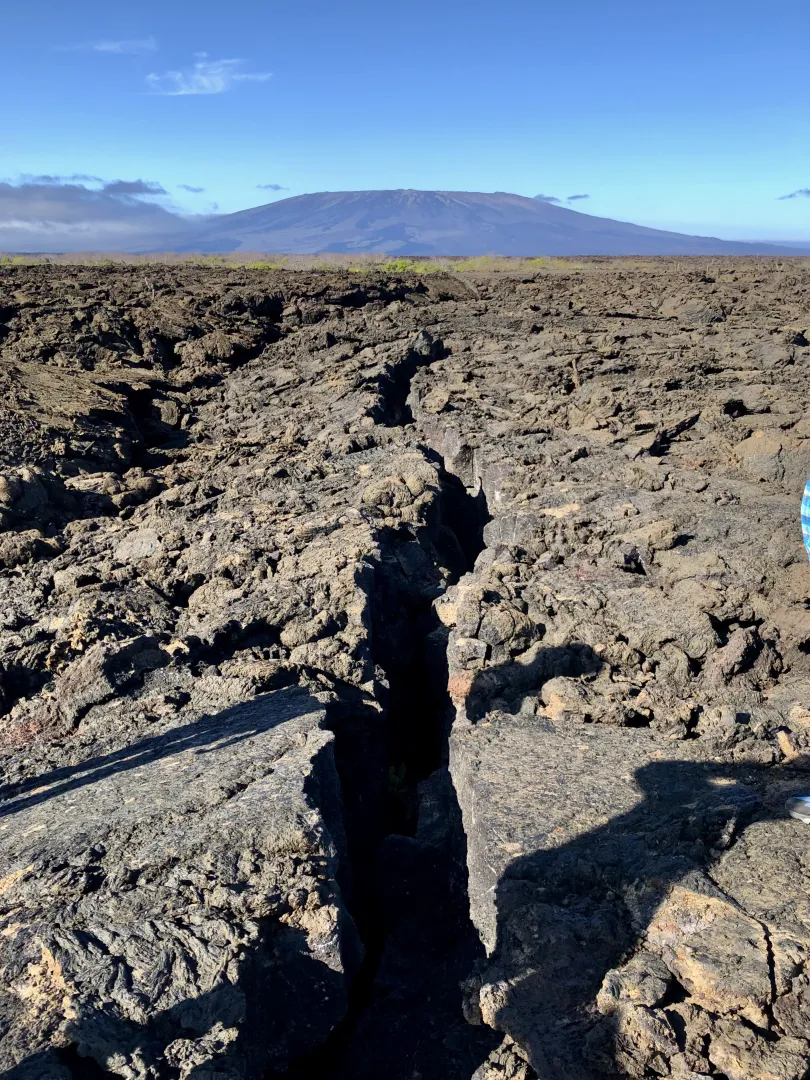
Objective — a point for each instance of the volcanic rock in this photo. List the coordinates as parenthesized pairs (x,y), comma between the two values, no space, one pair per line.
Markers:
(364,635)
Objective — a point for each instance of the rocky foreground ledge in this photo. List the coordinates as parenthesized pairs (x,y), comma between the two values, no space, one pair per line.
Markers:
(404,676)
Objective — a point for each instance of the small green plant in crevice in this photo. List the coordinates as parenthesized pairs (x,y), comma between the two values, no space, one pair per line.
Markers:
(397,779)
(400,798)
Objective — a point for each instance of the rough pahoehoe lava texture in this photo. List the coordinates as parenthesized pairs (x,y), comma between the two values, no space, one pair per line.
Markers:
(337,607)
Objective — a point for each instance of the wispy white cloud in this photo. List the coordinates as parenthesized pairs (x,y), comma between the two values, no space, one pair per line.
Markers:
(126,47)
(271,187)
(134,47)
(204,77)
(191,189)
(53,179)
(576,198)
(802,193)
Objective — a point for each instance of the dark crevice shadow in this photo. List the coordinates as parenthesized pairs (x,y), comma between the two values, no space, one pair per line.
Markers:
(406,1006)
(465,516)
(406,1014)
(459,536)
(394,384)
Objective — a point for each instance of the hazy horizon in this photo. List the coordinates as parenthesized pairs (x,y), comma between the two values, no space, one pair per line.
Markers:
(124,217)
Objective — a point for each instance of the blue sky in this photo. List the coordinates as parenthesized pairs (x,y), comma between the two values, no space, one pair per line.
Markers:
(690,116)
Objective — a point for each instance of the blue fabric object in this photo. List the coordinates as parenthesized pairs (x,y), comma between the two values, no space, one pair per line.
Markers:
(806,517)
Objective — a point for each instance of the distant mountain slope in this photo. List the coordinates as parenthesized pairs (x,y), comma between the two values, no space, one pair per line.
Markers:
(406,222)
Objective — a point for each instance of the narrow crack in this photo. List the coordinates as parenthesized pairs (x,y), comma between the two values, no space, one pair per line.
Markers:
(771,975)
(409,892)
(404,872)
(773,1026)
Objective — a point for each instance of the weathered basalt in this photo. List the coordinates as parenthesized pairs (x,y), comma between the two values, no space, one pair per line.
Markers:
(174,905)
(643,569)
(282,555)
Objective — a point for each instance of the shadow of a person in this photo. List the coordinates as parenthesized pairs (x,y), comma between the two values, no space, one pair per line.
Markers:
(568,915)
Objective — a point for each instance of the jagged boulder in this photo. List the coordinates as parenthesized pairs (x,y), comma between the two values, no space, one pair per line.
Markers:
(147,895)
